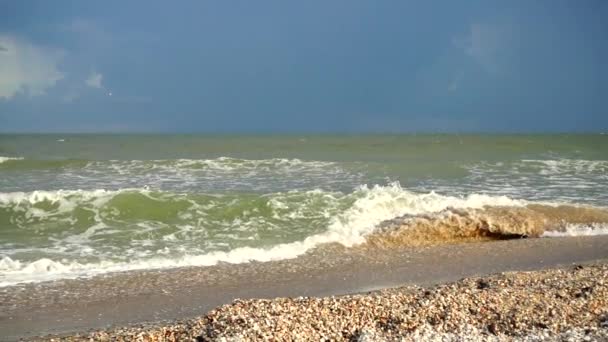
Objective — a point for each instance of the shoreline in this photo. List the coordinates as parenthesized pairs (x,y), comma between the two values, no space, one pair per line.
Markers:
(130,298)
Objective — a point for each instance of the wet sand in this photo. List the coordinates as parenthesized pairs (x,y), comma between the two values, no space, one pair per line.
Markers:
(122,299)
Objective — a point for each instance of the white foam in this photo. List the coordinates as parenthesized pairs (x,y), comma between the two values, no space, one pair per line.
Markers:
(218,174)
(66,200)
(579,230)
(4,159)
(56,195)
(560,166)
(558,180)
(63,205)
(372,206)
(220,163)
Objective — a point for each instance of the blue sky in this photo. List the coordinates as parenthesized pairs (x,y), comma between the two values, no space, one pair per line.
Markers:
(303,66)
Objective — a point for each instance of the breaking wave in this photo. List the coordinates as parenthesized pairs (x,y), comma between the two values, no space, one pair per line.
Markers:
(565,166)
(554,180)
(85,233)
(5,159)
(220,163)
(490,223)
(185,175)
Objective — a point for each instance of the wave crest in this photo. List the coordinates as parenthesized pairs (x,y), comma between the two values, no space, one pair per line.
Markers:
(204,229)
(490,223)
(5,159)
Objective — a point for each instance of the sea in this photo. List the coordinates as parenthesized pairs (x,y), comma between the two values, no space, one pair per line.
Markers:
(80,205)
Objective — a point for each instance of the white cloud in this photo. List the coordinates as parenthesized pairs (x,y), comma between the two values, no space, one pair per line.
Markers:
(27,68)
(94,80)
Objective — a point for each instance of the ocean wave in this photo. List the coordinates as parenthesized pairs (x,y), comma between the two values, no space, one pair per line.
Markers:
(386,201)
(555,180)
(217,174)
(5,159)
(560,166)
(219,163)
(491,223)
(23,164)
(228,163)
(321,216)
(145,205)
(39,196)
(224,164)
(569,230)
(294,222)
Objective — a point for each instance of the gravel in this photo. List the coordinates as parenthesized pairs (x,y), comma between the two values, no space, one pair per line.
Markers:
(551,305)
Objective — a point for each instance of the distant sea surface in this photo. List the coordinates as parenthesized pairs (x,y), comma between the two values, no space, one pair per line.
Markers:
(82,205)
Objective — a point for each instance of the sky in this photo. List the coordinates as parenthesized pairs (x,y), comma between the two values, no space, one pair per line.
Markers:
(303,66)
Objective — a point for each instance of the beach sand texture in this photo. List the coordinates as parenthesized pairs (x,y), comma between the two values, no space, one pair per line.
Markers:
(559,304)
(163,297)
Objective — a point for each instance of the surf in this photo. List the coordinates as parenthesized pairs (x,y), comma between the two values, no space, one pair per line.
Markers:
(100,231)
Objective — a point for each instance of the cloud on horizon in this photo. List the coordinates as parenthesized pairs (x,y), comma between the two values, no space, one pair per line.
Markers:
(27,68)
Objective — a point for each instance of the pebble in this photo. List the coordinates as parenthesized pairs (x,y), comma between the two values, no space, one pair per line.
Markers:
(549,305)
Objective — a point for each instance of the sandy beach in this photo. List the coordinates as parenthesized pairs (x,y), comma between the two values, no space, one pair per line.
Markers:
(171,304)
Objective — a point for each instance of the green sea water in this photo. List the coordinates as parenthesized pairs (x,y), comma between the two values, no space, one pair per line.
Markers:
(77,205)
